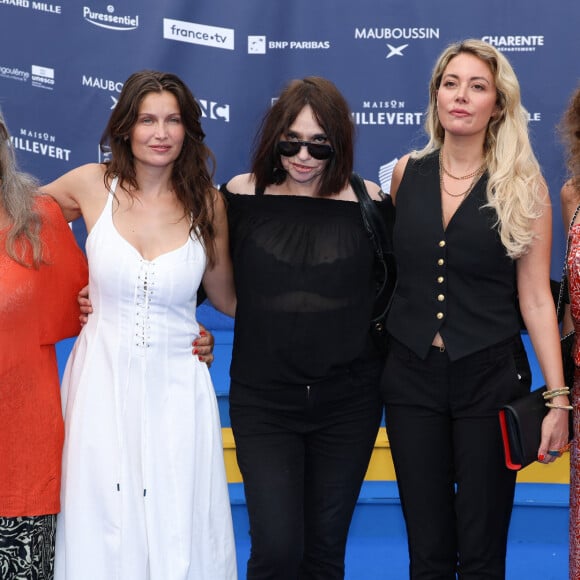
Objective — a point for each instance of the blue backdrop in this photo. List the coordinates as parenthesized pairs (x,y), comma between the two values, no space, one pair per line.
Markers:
(62,66)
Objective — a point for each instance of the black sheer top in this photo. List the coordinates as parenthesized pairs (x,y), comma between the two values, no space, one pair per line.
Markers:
(303,270)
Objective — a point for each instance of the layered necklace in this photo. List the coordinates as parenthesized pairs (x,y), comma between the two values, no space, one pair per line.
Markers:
(474,176)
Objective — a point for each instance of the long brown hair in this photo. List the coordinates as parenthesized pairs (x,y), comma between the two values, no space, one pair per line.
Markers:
(331,112)
(17,192)
(192,175)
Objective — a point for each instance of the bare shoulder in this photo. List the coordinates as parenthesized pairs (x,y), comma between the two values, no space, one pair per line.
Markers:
(82,180)
(397,176)
(242,184)
(569,194)
(401,166)
(374,190)
(569,200)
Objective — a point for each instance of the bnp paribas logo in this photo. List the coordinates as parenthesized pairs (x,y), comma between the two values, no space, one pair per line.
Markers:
(110,20)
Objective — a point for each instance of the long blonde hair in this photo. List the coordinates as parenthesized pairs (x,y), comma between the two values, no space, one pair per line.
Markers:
(514,176)
(17,191)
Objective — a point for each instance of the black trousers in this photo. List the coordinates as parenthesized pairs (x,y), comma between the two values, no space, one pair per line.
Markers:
(456,493)
(303,454)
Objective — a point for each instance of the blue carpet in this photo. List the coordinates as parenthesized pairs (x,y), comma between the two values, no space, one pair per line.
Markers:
(377,549)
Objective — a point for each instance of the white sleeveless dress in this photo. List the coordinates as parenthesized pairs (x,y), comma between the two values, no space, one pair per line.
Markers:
(144,492)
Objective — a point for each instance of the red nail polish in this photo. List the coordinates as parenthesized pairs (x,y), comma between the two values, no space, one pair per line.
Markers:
(202,332)
(541,457)
(195,351)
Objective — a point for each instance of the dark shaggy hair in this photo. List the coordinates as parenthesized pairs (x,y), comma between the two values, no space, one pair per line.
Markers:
(331,112)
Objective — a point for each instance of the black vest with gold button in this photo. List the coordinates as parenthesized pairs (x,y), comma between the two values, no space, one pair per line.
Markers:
(457,281)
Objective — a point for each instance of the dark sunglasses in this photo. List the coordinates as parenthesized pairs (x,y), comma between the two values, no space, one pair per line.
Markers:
(316,150)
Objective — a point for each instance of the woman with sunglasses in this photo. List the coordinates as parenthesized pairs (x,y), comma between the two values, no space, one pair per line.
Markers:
(304,397)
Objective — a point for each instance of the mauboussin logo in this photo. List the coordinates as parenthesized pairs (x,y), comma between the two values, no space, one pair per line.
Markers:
(110,20)
(396,39)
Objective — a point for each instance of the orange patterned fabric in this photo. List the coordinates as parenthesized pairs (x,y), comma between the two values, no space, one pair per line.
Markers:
(574,290)
(38,307)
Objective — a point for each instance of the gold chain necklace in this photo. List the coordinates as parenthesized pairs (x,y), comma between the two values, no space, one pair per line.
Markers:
(475,175)
(468,176)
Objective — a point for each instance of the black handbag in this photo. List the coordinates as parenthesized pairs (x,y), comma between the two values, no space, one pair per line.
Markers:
(521,420)
(521,427)
(385,265)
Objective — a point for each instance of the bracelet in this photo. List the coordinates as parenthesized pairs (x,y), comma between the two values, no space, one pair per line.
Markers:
(563,407)
(550,394)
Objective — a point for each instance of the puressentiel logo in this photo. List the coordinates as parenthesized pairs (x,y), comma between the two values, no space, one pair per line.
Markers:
(110,20)
(194,33)
(42,76)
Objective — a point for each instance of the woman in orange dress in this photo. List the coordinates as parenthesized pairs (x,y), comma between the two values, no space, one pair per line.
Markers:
(41,270)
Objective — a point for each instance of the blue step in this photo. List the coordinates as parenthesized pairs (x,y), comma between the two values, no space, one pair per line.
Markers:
(377,548)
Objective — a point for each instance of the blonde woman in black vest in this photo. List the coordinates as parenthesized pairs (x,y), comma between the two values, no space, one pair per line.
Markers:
(473,229)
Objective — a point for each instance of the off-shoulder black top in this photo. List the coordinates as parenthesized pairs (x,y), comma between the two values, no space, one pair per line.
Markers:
(303,270)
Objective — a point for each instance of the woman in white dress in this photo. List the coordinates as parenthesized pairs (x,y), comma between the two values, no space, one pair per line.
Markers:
(144,492)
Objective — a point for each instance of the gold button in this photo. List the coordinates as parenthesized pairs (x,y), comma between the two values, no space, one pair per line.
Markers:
(442,244)
(441,297)
(440,261)
(440,279)
(439,315)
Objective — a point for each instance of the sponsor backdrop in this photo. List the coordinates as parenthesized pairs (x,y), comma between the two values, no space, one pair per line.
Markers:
(62,66)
